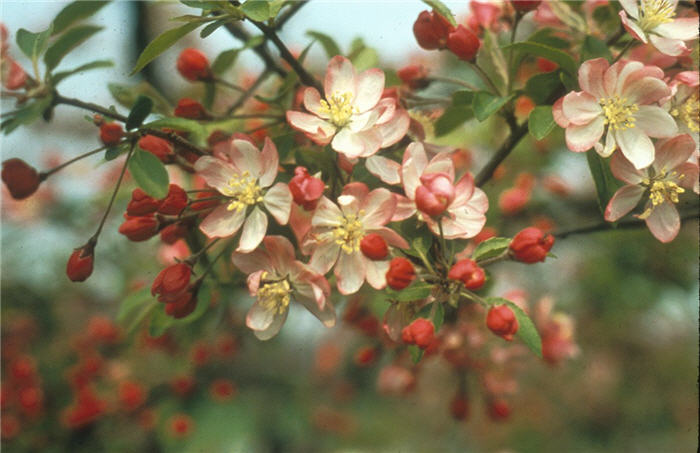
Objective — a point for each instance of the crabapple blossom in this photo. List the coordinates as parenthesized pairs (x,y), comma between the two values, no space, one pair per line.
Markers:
(337,233)
(275,277)
(353,117)
(668,176)
(653,21)
(243,175)
(684,102)
(620,102)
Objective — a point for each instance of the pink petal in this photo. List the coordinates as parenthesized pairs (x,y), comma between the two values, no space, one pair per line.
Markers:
(370,85)
(624,200)
(688,176)
(636,146)
(270,161)
(673,152)
(278,202)
(246,157)
(623,170)
(318,130)
(215,172)
(308,295)
(581,108)
(391,237)
(312,102)
(254,230)
(630,6)
(395,129)
(664,222)
(590,77)
(340,77)
(387,170)
(582,138)
(441,163)
(616,76)
(414,162)
(558,114)
(405,208)
(324,256)
(655,122)
(359,190)
(464,189)
(350,272)
(667,46)
(259,318)
(376,273)
(357,144)
(254,261)
(327,214)
(222,223)
(632,28)
(281,253)
(379,207)
(461,224)
(684,29)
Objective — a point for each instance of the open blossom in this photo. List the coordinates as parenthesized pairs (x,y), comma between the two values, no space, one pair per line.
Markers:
(243,175)
(653,20)
(464,214)
(275,278)
(620,102)
(337,234)
(669,176)
(684,102)
(353,118)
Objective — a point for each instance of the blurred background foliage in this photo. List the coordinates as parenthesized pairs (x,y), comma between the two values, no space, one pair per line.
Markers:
(632,387)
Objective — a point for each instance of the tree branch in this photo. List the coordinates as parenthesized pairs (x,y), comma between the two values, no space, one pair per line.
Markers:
(516,133)
(606,226)
(58,99)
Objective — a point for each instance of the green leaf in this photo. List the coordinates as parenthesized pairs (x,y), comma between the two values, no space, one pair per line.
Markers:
(67,42)
(126,95)
(541,86)
(116,151)
(328,43)
(74,12)
(453,117)
(60,76)
(141,109)
(134,309)
(196,130)
(486,104)
(463,97)
(416,353)
(564,60)
(439,316)
(33,44)
(257,10)
(149,173)
(594,48)
(545,36)
(26,115)
(491,59)
(526,329)
(212,27)
(490,248)
(162,42)
(224,61)
(365,59)
(442,10)
(540,123)
(605,182)
(417,291)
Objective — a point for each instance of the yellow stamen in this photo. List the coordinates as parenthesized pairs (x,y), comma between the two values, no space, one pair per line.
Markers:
(662,190)
(619,114)
(349,233)
(339,107)
(654,13)
(690,113)
(274,294)
(244,190)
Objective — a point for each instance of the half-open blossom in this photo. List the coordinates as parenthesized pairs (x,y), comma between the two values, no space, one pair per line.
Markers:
(620,102)
(464,215)
(337,234)
(653,20)
(275,278)
(353,118)
(669,176)
(684,102)
(243,175)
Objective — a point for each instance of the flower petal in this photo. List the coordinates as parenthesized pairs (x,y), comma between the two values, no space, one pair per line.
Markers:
(655,122)
(259,318)
(317,129)
(385,169)
(278,202)
(590,77)
(414,162)
(581,108)
(370,85)
(324,256)
(646,90)
(357,144)
(252,262)
(582,138)
(246,157)
(378,208)
(630,6)
(684,29)
(405,208)
(664,222)
(464,189)
(350,272)
(222,223)
(327,214)
(632,27)
(274,328)
(376,273)
(270,161)
(668,46)
(636,146)
(441,163)
(281,253)
(673,152)
(558,113)
(254,230)
(215,172)
(340,77)
(395,129)
(391,237)
(623,170)
(312,102)
(624,200)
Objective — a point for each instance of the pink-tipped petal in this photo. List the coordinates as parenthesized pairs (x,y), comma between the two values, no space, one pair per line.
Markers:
(270,161)
(359,190)
(215,172)
(222,223)
(387,170)
(247,157)
(414,162)
(636,146)
(405,208)
(582,138)
(683,29)
(673,152)
(631,7)
(667,46)
(327,214)
(646,90)
(278,202)
(558,114)
(624,200)
(370,85)
(590,77)
(254,230)
(248,263)
(395,129)
(378,208)
(317,129)
(623,170)
(312,102)
(632,28)
(376,273)
(350,272)
(324,256)
(581,108)
(391,237)
(340,77)
(664,222)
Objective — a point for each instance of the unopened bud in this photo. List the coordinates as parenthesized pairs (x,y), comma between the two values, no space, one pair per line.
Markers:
(193,65)
(20,178)
(469,273)
(502,321)
(400,274)
(80,263)
(374,247)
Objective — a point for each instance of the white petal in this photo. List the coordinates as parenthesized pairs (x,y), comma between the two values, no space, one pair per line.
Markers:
(350,272)
(684,29)
(254,231)
(215,172)
(278,202)
(414,162)
(270,161)
(387,170)
(636,146)
(395,129)
(357,144)
(623,170)
(222,223)
(668,46)
(324,257)
(376,273)
(340,77)
(584,137)
(312,102)
(247,157)
(655,122)
(370,85)
(327,214)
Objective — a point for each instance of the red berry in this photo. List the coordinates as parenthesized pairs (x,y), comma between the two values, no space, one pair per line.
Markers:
(374,247)
(189,108)
(400,274)
(20,178)
(181,425)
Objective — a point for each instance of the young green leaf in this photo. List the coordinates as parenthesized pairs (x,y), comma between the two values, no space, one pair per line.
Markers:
(564,60)
(257,10)
(490,248)
(594,48)
(74,12)
(33,44)
(141,109)
(126,95)
(439,316)
(541,86)
(60,76)
(417,291)
(26,115)
(453,117)
(134,309)
(442,10)
(492,61)
(605,182)
(149,173)
(66,43)
(526,329)
(196,130)
(486,104)
(416,353)
(224,60)
(162,43)
(328,43)
(540,123)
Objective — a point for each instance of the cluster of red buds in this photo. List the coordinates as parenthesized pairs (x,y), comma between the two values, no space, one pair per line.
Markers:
(434,32)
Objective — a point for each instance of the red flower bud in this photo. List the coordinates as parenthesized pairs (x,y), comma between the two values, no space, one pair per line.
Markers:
(400,274)
(469,273)
(172,233)
(181,425)
(160,148)
(365,356)
(15,77)
(131,394)
(141,204)
(20,178)
(80,263)
(420,332)
(463,43)
(374,247)
(172,282)
(183,306)
(498,410)
(431,30)
(189,108)
(174,202)
(139,228)
(202,205)
(435,194)
(414,76)
(111,133)
(306,189)
(459,407)
(531,245)
(501,321)
(193,65)
(523,6)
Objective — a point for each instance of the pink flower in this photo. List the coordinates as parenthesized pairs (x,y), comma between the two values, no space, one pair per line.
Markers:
(354,118)
(617,101)
(243,175)
(652,20)
(337,232)
(663,181)
(684,104)
(275,278)
(464,214)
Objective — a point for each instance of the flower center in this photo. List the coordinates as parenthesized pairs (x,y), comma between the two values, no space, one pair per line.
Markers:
(619,114)
(349,233)
(655,13)
(244,190)
(273,295)
(690,113)
(339,107)
(662,190)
